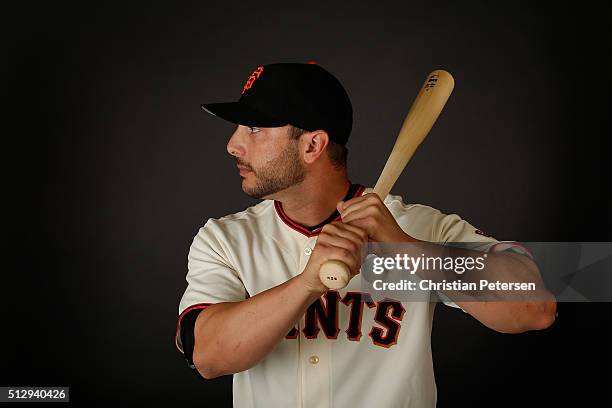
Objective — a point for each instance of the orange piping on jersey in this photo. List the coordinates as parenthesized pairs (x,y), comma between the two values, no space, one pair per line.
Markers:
(303,230)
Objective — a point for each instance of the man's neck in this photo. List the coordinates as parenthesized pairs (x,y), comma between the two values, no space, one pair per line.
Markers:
(313,201)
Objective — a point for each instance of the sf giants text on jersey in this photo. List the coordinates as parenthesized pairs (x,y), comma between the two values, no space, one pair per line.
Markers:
(350,349)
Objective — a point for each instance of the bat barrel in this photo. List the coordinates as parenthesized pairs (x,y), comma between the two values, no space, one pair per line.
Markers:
(421,117)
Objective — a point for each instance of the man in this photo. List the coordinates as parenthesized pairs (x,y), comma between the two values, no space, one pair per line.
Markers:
(255,306)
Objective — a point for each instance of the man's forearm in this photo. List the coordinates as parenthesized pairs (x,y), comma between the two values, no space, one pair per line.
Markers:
(503,267)
(232,337)
(510,311)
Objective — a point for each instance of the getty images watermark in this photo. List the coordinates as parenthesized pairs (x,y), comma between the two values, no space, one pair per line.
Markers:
(459,265)
(480,271)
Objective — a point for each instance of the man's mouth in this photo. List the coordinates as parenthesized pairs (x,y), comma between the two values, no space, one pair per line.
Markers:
(244,170)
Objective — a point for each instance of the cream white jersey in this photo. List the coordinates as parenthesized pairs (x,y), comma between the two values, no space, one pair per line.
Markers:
(350,349)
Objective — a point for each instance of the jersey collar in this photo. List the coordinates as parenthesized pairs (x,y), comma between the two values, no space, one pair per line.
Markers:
(354,191)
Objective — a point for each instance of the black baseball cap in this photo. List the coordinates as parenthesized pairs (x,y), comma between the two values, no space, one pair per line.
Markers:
(304,95)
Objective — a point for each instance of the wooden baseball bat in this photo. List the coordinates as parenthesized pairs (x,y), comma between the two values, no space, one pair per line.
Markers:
(420,118)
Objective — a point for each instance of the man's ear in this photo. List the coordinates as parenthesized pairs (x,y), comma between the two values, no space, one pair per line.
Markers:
(313,145)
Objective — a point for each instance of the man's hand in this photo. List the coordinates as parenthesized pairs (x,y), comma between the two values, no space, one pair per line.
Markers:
(369,213)
(337,241)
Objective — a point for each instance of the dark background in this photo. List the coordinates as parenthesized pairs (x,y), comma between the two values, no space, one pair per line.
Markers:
(112,168)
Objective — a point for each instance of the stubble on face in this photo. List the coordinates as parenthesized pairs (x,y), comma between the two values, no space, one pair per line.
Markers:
(280,173)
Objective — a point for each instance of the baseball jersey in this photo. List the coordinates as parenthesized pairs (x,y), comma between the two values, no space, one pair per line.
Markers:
(350,349)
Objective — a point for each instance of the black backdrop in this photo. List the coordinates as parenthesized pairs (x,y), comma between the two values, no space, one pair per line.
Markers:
(112,167)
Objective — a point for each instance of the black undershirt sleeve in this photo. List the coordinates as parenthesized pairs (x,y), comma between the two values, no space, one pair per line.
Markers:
(187,334)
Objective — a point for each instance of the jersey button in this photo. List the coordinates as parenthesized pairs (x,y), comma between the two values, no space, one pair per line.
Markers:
(308,251)
(314,359)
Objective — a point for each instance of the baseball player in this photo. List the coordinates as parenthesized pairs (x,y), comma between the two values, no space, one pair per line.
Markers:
(255,306)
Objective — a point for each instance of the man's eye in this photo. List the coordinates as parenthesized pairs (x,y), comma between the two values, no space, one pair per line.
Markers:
(254,129)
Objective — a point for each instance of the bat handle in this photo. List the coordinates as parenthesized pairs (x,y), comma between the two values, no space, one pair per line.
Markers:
(334,274)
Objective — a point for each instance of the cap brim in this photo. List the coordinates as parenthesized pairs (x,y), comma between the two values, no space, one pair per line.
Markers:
(241,114)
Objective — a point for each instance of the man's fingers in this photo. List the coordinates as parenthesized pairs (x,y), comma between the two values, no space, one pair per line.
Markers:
(359,214)
(354,233)
(337,253)
(343,242)
(362,235)
(358,203)
(339,241)
(347,206)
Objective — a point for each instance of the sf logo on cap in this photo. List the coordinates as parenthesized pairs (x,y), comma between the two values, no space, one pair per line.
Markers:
(252,79)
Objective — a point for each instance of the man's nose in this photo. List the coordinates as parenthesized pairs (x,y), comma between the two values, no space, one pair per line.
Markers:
(235,146)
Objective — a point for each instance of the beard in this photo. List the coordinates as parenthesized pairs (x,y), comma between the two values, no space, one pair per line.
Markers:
(280,173)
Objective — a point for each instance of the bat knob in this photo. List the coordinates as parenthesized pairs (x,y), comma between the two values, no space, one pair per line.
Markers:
(334,274)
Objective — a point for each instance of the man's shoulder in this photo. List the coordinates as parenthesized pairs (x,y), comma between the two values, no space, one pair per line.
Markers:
(249,218)
(253,212)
